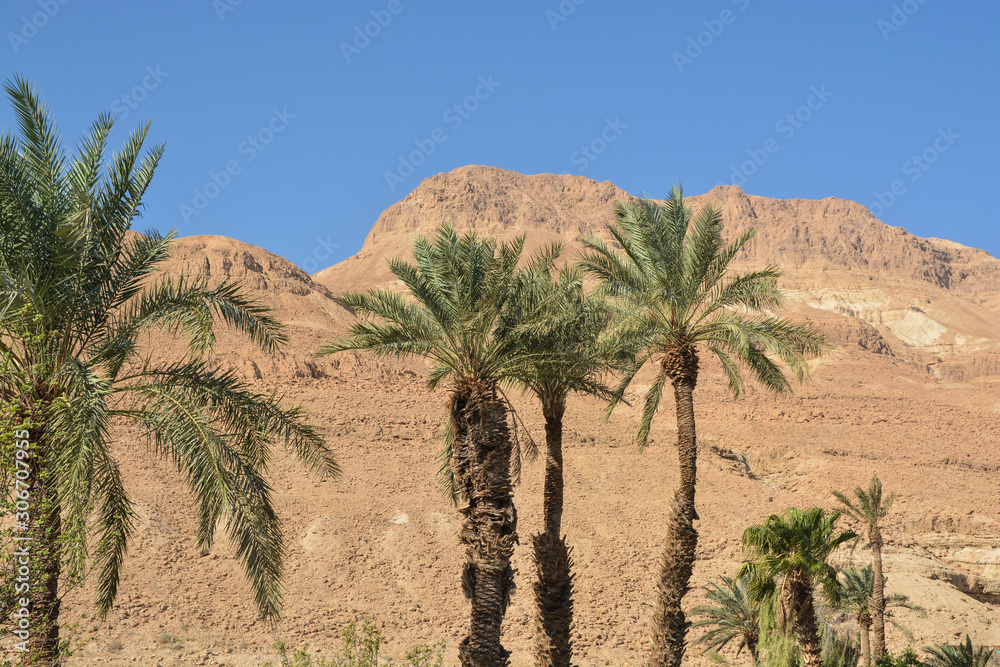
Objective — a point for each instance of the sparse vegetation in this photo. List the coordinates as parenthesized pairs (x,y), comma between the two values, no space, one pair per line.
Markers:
(361,646)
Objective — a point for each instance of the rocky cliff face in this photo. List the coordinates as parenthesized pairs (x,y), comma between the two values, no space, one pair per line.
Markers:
(932,298)
(910,392)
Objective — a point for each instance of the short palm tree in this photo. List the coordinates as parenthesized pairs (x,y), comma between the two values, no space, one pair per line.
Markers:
(786,557)
(869,507)
(78,295)
(675,284)
(963,655)
(732,616)
(464,305)
(855,596)
(563,329)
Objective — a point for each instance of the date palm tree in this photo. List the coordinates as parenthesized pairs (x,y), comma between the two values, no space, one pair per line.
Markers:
(464,306)
(869,507)
(78,295)
(563,330)
(674,281)
(963,655)
(855,596)
(732,616)
(786,557)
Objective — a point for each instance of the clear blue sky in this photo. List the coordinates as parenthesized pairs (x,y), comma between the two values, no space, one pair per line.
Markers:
(788,99)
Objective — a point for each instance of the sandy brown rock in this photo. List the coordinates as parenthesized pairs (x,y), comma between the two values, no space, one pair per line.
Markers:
(921,412)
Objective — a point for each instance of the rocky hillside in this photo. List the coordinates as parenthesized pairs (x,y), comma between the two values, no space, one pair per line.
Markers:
(910,393)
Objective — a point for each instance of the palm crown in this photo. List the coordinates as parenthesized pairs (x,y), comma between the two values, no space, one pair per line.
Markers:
(463,309)
(731,616)
(795,545)
(77,298)
(675,282)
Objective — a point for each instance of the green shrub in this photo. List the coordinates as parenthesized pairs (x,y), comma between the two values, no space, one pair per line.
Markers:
(361,649)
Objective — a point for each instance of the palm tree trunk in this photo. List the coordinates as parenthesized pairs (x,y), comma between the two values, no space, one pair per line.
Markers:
(669,623)
(38,557)
(552,503)
(687,445)
(481,465)
(554,586)
(754,656)
(866,652)
(878,596)
(805,623)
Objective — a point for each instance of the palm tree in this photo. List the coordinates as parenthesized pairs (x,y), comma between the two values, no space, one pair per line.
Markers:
(465,305)
(794,547)
(733,616)
(675,284)
(563,331)
(77,297)
(869,507)
(963,655)
(855,596)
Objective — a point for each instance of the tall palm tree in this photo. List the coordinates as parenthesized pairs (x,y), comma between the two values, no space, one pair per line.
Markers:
(855,596)
(963,655)
(732,616)
(562,329)
(870,507)
(464,306)
(675,283)
(794,548)
(78,295)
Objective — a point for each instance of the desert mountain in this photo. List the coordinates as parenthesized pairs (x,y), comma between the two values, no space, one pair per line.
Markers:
(910,393)
(931,298)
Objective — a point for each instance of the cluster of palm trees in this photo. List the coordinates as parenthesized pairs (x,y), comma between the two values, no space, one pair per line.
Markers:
(490,320)
(773,596)
(79,297)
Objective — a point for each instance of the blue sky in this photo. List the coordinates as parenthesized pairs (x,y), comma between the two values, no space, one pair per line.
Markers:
(292,126)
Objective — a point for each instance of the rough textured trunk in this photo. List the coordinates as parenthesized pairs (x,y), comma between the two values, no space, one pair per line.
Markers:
(754,656)
(866,653)
(878,596)
(553,588)
(481,465)
(44,527)
(804,614)
(552,503)
(669,623)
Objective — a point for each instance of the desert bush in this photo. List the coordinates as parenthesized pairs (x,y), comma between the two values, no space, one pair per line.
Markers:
(907,658)
(361,648)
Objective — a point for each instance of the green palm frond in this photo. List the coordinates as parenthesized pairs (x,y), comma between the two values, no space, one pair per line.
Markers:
(963,655)
(731,615)
(868,505)
(77,291)
(795,544)
(673,278)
